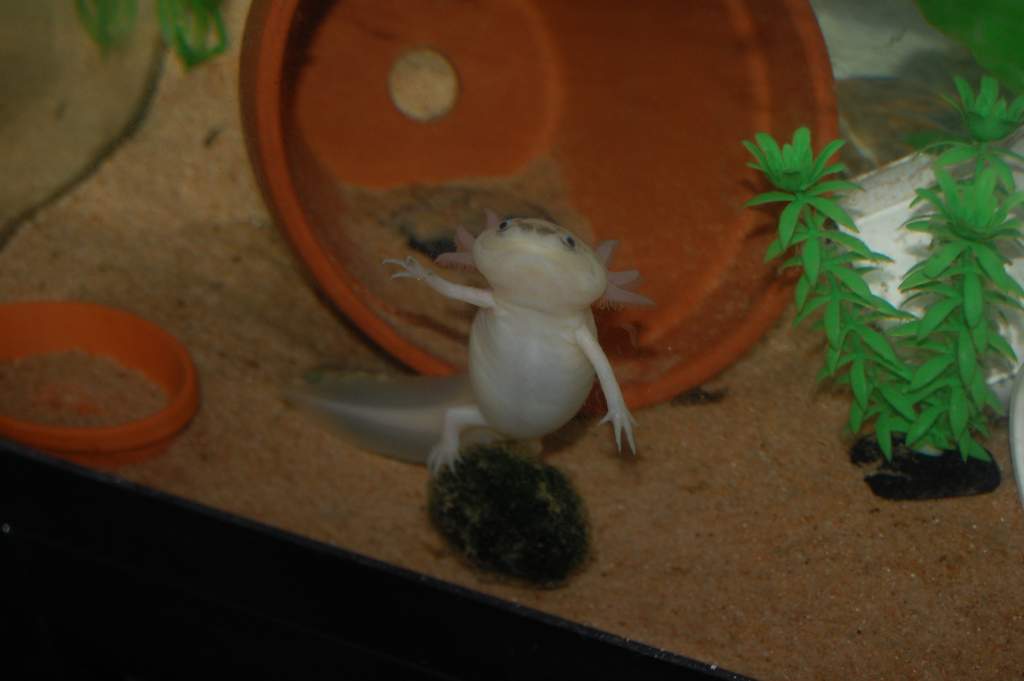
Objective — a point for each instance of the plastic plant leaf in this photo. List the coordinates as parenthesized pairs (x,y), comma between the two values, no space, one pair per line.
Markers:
(938,439)
(856,419)
(974,303)
(795,261)
(859,382)
(926,141)
(832,186)
(914,279)
(832,357)
(832,328)
(857,247)
(958,411)
(988,93)
(774,250)
(934,288)
(929,196)
(811,254)
(854,282)
(937,264)
(925,420)
(819,169)
(1010,153)
(999,344)
(951,197)
(194,28)
(992,264)
(798,152)
(970,449)
(980,337)
(886,309)
(814,305)
(966,358)
(832,209)
(978,424)
(935,316)
(767,153)
(919,396)
(768,197)
(929,371)
(964,91)
(1003,172)
(107,21)
(1005,300)
(803,289)
(877,343)
(982,395)
(883,433)
(1014,200)
(956,154)
(899,401)
(906,329)
(787,222)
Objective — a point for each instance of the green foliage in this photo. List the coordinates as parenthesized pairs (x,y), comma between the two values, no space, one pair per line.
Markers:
(990,29)
(107,21)
(194,28)
(924,377)
(987,118)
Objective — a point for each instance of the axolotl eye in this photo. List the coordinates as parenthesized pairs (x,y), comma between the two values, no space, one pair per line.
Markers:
(504,225)
(569,242)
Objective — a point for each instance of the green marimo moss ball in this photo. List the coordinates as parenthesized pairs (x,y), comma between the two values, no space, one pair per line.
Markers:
(511,515)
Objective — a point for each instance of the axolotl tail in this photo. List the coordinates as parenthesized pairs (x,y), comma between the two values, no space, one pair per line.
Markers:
(398,416)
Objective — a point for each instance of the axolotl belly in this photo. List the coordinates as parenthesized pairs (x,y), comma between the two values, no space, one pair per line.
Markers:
(528,373)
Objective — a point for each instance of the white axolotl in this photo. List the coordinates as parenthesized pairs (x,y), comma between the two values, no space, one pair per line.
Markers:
(533,350)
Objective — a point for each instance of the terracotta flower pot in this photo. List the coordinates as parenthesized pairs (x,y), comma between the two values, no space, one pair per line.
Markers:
(378,126)
(31,329)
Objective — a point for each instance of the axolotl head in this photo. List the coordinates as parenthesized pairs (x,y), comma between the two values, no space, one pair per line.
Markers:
(537,264)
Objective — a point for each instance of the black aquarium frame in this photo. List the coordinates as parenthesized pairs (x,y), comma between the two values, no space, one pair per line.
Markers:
(107,579)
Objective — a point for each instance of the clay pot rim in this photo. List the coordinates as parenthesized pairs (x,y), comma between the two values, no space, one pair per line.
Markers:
(80,320)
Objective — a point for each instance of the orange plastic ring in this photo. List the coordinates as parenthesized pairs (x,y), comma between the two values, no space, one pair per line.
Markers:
(45,327)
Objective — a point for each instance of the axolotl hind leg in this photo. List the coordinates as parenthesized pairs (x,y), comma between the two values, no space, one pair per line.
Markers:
(456,420)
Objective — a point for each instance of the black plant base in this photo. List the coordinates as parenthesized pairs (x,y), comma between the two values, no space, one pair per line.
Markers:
(913,476)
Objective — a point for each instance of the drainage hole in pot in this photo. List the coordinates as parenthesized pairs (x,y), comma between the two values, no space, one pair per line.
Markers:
(76,389)
(423,84)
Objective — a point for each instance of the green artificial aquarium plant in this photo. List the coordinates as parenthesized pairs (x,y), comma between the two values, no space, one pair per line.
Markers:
(921,378)
(194,28)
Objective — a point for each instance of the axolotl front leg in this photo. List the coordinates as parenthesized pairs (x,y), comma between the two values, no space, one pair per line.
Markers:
(618,413)
(461,417)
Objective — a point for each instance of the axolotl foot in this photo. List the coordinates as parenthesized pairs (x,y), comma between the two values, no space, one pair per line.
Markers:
(441,457)
(622,421)
(411,268)
(445,453)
